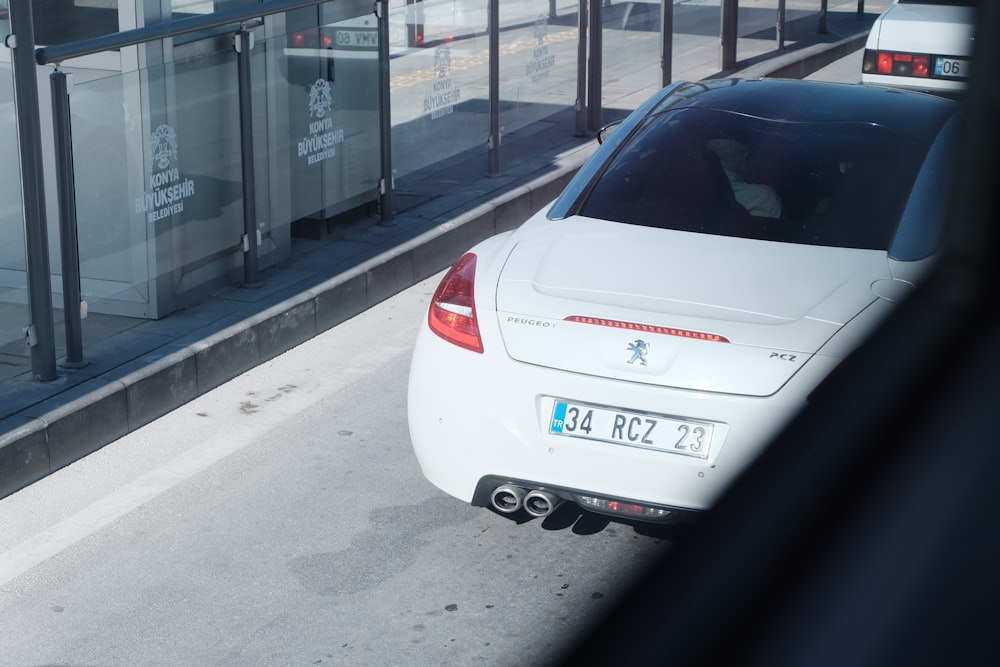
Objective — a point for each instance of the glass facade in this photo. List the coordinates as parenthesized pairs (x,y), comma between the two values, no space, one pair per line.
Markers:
(157,140)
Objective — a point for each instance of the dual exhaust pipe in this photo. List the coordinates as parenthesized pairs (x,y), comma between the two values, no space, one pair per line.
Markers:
(509,498)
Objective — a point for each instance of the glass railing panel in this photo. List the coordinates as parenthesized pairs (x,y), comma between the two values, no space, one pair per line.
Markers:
(439,81)
(538,65)
(323,113)
(110,181)
(160,205)
(13,279)
(158,184)
(631,54)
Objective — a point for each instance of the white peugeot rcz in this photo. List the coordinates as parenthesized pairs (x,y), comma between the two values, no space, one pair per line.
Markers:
(634,345)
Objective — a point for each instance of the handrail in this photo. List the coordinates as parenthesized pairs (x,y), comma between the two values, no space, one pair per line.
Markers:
(49,55)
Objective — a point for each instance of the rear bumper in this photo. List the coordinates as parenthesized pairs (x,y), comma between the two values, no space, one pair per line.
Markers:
(479,416)
(487,485)
(936,86)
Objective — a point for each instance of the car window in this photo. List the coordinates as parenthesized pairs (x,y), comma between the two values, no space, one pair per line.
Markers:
(720,172)
(921,227)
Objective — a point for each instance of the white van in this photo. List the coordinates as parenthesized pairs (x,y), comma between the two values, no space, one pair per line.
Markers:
(922,44)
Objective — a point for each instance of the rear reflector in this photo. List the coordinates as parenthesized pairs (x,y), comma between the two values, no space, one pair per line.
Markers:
(647,328)
(634,510)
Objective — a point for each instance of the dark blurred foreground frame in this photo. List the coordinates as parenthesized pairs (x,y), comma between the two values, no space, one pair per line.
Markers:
(867,534)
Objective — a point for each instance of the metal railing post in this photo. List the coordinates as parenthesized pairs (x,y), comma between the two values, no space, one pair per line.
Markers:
(243,44)
(779,29)
(40,331)
(493,142)
(68,231)
(729,20)
(386,184)
(581,71)
(594,68)
(666,42)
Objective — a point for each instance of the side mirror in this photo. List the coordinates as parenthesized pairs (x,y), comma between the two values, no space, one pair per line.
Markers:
(607,131)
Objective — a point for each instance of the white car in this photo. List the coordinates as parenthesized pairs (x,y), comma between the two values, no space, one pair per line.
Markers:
(633,347)
(923,45)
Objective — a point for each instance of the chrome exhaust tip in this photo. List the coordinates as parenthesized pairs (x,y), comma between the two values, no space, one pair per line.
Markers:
(507,498)
(540,503)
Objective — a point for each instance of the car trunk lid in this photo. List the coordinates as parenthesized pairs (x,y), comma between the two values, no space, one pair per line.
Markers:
(676,309)
(939,28)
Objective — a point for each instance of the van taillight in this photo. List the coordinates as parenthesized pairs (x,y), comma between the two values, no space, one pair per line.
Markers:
(312,38)
(896,63)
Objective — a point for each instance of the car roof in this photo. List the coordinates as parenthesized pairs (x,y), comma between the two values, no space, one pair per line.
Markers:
(914,113)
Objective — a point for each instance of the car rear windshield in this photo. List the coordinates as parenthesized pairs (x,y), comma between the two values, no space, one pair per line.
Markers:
(718,172)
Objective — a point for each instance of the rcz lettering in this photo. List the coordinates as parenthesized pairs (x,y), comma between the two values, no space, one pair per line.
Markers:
(783,357)
(634,431)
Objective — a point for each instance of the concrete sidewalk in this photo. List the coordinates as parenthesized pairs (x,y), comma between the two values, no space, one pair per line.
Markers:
(138,370)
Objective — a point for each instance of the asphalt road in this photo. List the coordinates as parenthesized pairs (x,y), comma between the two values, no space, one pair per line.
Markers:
(283,520)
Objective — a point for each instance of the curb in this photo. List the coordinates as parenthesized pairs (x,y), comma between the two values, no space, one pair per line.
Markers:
(800,64)
(57,432)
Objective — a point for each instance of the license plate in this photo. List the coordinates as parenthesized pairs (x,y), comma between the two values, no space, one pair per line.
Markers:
(627,427)
(951,68)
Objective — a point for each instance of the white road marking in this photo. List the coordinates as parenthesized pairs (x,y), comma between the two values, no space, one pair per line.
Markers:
(86,522)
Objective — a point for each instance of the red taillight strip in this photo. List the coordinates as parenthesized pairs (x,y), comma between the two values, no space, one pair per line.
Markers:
(897,63)
(647,328)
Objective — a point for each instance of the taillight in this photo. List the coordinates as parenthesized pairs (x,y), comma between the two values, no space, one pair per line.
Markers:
(452,314)
(885,63)
(894,63)
(312,38)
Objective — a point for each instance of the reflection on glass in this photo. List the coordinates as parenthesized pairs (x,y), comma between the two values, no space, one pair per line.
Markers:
(327,106)
(440,74)
(13,282)
(63,21)
(631,38)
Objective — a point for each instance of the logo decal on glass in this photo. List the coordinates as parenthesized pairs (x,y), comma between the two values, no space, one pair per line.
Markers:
(324,136)
(167,187)
(163,142)
(441,99)
(320,98)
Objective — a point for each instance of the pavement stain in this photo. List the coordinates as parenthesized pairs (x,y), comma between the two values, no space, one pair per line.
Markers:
(282,391)
(248,407)
(396,534)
